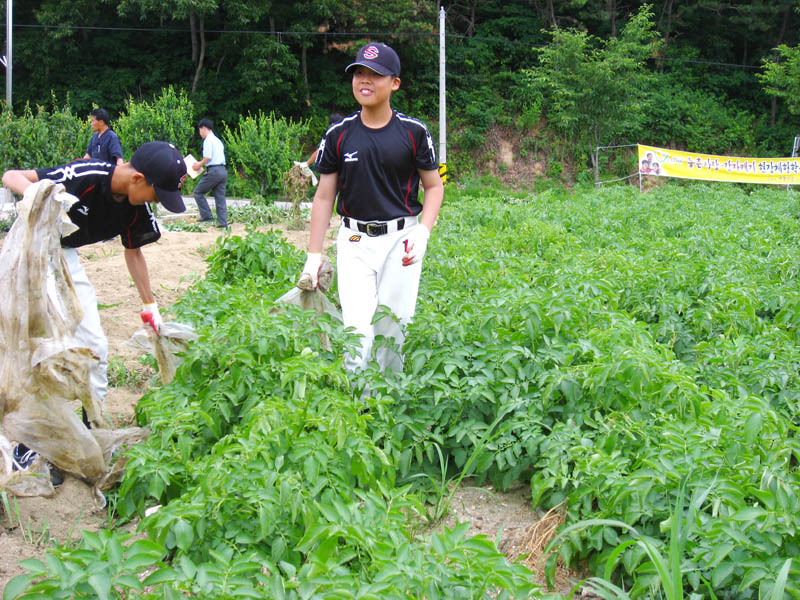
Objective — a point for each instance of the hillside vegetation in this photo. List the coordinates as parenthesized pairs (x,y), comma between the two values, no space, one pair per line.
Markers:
(565,76)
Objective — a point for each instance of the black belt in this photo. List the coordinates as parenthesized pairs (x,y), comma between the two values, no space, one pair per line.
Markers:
(374,228)
(209,166)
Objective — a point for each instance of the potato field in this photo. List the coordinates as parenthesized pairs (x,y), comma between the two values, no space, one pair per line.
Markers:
(634,357)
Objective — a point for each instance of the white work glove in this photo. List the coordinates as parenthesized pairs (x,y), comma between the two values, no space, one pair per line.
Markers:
(306,171)
(151,315)
(415,245)
(309,278)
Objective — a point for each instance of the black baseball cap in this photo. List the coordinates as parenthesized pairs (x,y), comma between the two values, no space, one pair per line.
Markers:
(163,166)
(378,57)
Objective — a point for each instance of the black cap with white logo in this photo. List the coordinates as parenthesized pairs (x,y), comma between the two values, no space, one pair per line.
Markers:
(163,166)
(378,57)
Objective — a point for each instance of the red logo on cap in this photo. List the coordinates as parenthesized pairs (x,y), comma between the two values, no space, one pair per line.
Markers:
(371,52)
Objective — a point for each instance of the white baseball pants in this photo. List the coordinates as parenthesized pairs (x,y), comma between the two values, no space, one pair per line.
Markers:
(370,273)
(90,331)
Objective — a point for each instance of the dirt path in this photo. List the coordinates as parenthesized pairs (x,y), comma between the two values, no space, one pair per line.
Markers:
(175,263)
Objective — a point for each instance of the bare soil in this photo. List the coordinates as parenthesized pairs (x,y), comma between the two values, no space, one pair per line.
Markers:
(28,526)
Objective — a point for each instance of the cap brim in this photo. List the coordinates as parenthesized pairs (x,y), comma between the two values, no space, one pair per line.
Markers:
(172,201)
(380,70)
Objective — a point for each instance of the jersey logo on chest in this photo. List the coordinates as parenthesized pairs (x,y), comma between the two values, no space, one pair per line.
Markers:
(351,156)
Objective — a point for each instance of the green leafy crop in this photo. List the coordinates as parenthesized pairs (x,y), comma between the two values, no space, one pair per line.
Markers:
(269,480)
(620,352)
(623,342)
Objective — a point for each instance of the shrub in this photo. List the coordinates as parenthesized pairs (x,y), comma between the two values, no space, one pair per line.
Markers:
(169,117)
(696,118)
(261,150)
(42,138)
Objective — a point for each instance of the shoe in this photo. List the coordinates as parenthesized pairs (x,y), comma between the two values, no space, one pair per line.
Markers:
(24,457)
(204,220)
(221,226)
(56,476)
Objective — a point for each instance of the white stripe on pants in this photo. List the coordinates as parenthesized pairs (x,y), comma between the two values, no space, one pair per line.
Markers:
(90,331)
(370,273)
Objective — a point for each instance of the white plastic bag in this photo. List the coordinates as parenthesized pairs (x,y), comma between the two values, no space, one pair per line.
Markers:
(172,338)
(306,296)
(43,368)
(306,171)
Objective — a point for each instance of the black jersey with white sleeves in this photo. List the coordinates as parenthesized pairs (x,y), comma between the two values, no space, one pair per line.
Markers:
(98,215)
(378,169)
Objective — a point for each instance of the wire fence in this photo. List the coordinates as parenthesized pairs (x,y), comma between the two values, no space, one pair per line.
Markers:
(597,154)
(598,183)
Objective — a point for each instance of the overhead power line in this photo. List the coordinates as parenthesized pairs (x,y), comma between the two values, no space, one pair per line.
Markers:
(246,31)
(354,34)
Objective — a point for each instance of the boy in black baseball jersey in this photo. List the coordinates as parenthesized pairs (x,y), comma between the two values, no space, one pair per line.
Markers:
(112,201)
(371,164)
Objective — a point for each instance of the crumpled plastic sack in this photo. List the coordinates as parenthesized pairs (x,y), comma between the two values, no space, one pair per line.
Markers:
(305,171)
(42,367)
(306,296)
(173,338)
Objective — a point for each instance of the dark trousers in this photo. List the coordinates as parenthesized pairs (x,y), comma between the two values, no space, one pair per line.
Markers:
(214,180)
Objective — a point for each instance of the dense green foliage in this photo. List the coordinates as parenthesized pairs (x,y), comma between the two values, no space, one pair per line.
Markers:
(631,356)
(261,149)
(701,90)
(626,342)
(263,460)
(169,118)
(596,94)
(783,77)
(41,137)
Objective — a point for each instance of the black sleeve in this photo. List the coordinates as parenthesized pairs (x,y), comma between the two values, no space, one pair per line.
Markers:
(43,173)
(426,154)
(328,158)
(142,229)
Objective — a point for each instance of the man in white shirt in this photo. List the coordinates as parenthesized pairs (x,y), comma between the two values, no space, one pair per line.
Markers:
(215,178)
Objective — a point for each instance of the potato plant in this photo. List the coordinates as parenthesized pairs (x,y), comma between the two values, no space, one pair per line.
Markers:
(622,353)
(626,342)
(264,464)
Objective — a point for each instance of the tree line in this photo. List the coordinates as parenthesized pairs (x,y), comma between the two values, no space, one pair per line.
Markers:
(714,76)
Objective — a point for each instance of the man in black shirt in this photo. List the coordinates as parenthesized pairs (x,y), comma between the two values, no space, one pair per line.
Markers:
(111,201)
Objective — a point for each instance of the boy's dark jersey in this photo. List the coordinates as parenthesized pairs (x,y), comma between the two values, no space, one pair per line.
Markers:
(378,168)
(98,216)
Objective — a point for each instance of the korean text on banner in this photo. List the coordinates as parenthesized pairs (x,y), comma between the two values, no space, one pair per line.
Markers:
(689,165)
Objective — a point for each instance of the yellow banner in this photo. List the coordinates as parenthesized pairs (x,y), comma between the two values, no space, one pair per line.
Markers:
(688,165)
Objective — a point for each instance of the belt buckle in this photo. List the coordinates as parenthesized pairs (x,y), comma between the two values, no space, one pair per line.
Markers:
(375,229)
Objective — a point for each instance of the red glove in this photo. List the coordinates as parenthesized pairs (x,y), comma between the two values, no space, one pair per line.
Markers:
(151,316)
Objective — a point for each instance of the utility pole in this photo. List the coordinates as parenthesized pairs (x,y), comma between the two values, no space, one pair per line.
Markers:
(795,149)
(8,53)
(442,101)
